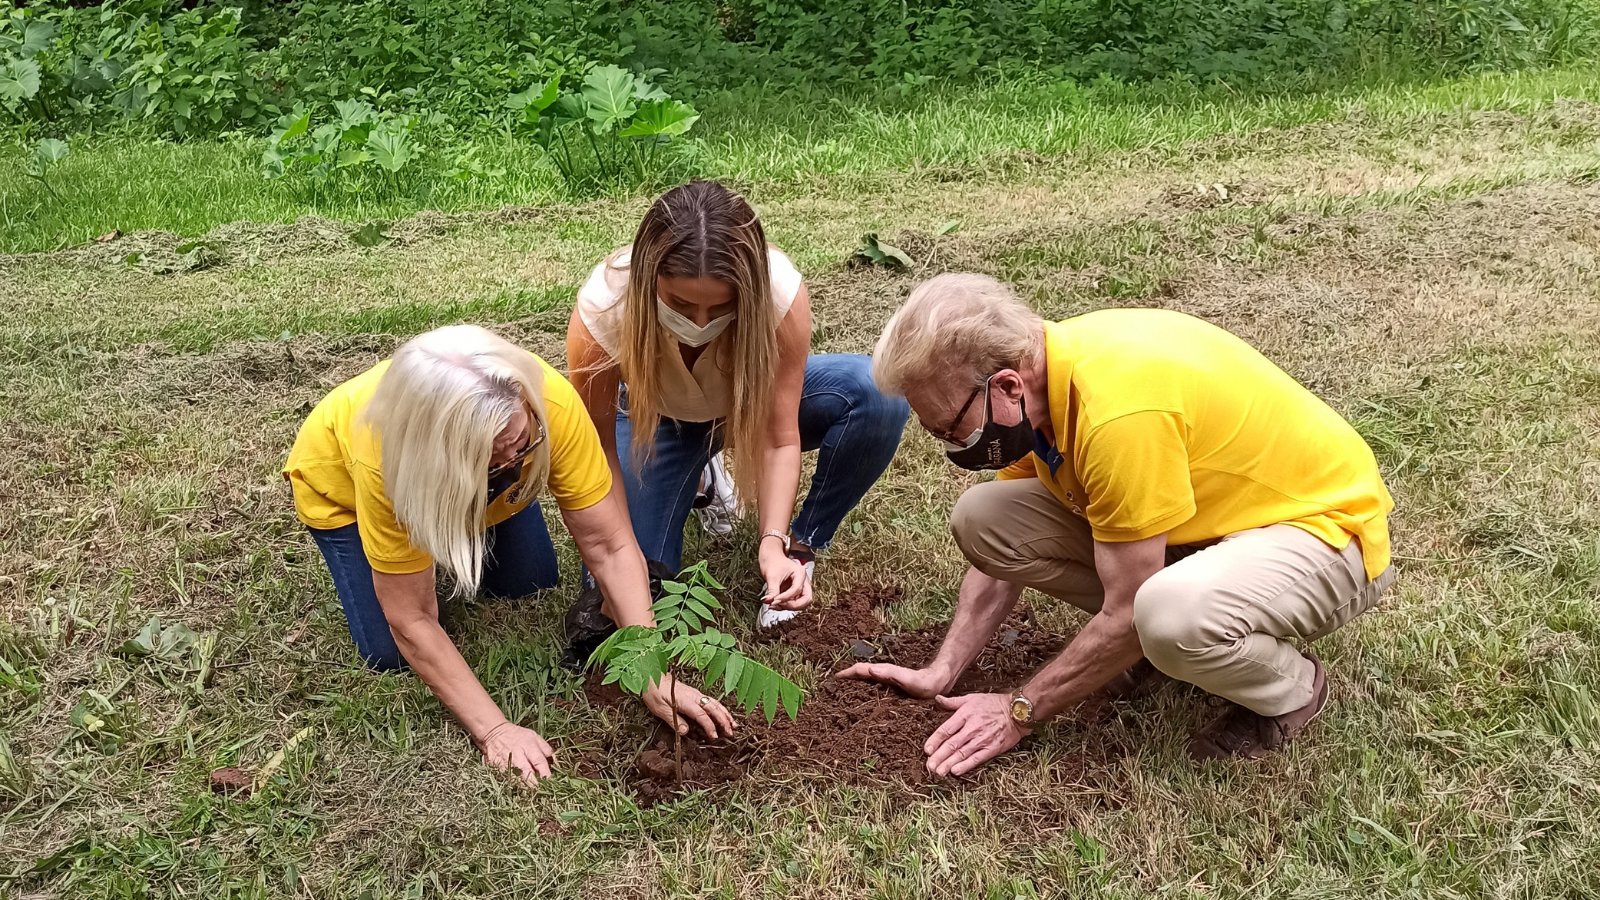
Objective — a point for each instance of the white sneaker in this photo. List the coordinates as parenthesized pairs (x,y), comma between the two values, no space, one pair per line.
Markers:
(769,617)
(717,506)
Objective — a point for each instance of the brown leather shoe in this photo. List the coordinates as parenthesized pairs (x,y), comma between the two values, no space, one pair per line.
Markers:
(1243,734)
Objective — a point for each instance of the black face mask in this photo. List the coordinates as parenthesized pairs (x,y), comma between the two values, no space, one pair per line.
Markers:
(995,446)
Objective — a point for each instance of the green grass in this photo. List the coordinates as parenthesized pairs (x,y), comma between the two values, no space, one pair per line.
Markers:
(1425,257)
(783,144)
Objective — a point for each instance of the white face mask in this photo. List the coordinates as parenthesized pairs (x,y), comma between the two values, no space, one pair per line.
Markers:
(687,332)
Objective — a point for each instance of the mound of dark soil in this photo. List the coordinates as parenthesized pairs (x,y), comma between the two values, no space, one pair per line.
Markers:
(850,731)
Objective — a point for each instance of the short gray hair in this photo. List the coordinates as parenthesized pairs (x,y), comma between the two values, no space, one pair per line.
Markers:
(956,326)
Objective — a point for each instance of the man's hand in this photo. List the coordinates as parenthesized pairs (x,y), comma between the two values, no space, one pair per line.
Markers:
(510,746)
(693,706)
(920,683)
(980,730)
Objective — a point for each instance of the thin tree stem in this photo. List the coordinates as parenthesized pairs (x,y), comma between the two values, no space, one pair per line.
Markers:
(677,735)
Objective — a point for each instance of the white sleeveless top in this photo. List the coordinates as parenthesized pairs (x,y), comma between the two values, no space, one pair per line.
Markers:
(700,395)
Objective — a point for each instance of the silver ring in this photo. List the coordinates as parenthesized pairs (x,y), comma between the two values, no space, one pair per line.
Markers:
(705,701)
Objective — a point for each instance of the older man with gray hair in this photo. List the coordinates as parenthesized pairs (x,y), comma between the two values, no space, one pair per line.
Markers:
(1157,472)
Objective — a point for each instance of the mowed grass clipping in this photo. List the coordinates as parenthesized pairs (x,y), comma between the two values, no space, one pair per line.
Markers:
(1430,268)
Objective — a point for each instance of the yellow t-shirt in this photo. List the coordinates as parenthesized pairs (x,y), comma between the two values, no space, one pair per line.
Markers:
(336,469)
(1167,424)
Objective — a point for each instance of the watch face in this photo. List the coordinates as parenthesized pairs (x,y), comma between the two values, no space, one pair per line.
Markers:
(1021,709)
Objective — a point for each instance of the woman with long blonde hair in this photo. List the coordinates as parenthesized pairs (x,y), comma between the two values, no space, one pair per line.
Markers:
(435,460)
(697,337)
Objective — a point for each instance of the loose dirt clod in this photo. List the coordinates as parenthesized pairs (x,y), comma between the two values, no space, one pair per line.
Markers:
(232,781)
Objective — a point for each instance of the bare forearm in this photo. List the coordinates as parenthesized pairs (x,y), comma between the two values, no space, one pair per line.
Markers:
(435,659)
(1105,648)
(983,603)
(780,483)
(624,584)
(1108,645)
(606,544)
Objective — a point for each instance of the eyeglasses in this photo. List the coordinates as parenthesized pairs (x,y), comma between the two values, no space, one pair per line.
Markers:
(944,435)
(516,460)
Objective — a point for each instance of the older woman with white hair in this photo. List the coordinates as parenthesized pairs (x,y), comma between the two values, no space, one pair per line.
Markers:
(435,460)
(1208,511)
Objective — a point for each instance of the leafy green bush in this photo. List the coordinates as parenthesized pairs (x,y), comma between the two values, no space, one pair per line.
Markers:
(179,71)
(184,71)
(22,38)
(359,144)
(607,133)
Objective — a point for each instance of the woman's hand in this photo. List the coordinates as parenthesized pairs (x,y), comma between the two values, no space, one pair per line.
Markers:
(787,584)
(693,706)
(510,746)
(922,683)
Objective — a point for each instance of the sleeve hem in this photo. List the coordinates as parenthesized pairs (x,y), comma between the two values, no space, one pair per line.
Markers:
(399,566)
(1160,526)
(587,498)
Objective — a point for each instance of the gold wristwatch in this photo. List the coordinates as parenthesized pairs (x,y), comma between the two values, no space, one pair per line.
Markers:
(1021,709)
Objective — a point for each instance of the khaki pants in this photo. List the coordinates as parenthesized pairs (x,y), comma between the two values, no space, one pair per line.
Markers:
(1221,616)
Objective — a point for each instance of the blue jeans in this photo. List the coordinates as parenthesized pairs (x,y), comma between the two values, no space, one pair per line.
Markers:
(854,427)
(520,561)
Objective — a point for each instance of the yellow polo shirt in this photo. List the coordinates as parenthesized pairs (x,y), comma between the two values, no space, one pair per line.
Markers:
(335,469)
(1167,424)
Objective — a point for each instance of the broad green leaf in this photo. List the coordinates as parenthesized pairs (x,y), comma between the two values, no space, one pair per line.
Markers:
(698,608)
(567,108)
(769,696)
(657,118)
(391,149)
(790,694)
(292,126)
(272,163)
(716,666)
(537,97)
(674,587)
(143,643)
(348,158)
(353,113)
(609,92)
(371,234)
(633,634)
(36,37)
(645,90)
(19,80)
(705,596)
(50,151)
(176,639)
(733,673)
(879,253)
